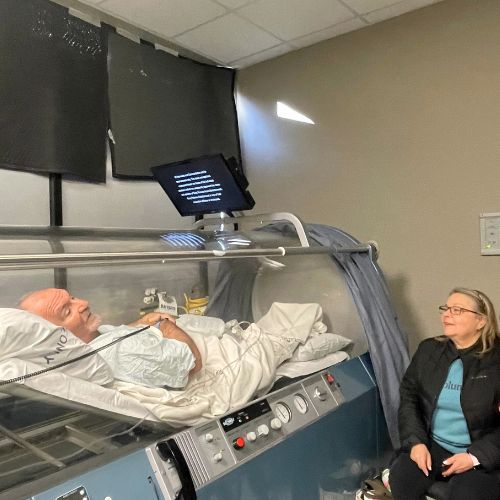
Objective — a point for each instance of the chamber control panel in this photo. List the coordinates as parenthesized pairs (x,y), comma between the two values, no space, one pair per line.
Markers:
(251,429)
(216,447)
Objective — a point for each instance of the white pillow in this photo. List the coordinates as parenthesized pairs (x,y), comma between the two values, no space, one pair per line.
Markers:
(31,338)
(318,346)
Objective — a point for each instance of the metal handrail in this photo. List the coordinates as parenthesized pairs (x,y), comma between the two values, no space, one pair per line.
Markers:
(60,260)
(40,261)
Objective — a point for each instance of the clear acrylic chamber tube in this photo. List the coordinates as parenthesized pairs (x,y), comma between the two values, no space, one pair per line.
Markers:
(122,274)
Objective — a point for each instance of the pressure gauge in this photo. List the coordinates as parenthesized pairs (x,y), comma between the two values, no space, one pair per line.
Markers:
(300,403)
(283,412)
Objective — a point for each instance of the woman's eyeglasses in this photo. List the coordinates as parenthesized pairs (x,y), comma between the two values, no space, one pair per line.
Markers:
(456,310)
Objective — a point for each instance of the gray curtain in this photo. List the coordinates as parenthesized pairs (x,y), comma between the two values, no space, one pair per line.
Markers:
(387,343)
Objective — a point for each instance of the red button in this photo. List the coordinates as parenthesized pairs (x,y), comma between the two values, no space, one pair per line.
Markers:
(329,378)
(238,443)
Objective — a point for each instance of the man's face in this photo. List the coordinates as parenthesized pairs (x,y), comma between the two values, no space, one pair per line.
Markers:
(59,307)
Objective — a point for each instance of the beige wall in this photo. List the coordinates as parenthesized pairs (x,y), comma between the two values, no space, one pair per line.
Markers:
(405,149)
(117,203)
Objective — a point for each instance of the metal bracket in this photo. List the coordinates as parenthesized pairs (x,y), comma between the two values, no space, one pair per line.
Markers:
(259,220)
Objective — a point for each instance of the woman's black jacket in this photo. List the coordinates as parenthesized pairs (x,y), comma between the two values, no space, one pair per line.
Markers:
(480,397)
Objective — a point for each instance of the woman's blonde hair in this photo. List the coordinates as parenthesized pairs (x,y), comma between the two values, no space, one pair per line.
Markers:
(489,332)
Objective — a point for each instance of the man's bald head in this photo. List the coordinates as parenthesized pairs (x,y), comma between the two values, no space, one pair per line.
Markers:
(59,307)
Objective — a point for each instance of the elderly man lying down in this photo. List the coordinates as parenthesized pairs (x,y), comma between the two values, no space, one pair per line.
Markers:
(162,355)
(228,371)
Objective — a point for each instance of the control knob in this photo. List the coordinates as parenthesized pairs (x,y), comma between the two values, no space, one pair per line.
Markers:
(209,437)
(262,430)
(251,436)
(276,424)
(320,394)
(218,456)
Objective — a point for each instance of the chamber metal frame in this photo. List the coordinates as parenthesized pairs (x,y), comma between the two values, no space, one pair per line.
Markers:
(88,259)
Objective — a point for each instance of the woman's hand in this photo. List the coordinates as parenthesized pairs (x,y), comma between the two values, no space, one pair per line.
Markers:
(461,462)
(420,455)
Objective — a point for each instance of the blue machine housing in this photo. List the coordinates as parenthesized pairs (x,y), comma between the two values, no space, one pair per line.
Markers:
(332,455)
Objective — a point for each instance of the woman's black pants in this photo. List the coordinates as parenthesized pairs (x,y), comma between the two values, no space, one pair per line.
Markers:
(408,482)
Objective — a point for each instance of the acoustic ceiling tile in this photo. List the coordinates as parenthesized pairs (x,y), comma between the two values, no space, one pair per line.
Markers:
(164,17)
(364,6)
(271,53)
(289,19)
(396,10)
(338,29)
(234,4)
(227,38)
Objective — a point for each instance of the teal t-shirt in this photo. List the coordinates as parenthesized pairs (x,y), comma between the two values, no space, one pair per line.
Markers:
(449,428)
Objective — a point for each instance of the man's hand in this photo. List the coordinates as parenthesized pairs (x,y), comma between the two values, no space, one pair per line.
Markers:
(420,455)
(152,318)
(171,331)
(461,462)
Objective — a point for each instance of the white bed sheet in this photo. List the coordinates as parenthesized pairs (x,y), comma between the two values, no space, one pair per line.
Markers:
(238,367)
(74,389)
(112,400)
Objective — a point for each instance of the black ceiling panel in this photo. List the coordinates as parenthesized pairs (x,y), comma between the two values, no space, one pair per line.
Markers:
(53,82)
(165,108)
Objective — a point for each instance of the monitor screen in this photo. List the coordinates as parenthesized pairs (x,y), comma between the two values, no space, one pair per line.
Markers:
(203,185)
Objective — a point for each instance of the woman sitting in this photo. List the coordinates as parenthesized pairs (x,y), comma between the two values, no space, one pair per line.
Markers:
(449,420)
